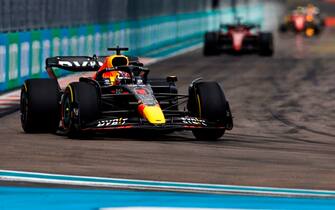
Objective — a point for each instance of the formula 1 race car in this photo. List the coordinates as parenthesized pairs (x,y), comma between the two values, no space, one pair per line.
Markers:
(238,38)
(303,20)
(120,96)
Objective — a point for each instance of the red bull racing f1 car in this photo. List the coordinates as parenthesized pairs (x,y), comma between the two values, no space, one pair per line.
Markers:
(238,38)
(120,96)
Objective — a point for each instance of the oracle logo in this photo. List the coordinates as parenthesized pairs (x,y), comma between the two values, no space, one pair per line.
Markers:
(79,64)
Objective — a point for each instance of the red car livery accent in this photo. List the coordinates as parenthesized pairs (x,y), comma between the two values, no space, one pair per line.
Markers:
(238,38)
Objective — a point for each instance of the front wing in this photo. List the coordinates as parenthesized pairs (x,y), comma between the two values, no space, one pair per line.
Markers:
(173,123)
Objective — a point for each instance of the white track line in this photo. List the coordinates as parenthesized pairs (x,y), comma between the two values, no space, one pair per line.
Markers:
(153,187)
(8,175)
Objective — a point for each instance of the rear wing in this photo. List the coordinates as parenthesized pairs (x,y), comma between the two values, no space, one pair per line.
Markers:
(75,63)
(82,63)
(246,25)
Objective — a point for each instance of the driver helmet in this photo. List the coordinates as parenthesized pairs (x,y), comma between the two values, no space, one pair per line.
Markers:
(116,77)
(122,78)
(310,6)
(111,77)
(311,9)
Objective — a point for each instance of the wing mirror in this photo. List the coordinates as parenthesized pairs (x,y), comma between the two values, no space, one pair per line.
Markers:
(171,79)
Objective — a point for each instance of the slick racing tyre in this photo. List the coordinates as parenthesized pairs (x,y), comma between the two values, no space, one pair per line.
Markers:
(80,105)
(39,105)
(207,101)
(283,28)
(211,44)
(266,44)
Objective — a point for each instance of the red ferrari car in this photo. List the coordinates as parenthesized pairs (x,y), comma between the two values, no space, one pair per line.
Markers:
(238,38)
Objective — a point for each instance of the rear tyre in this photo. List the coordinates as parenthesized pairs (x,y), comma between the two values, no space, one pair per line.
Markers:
(266,44)
(80,105)
(39,105)
(283,28)
(207,101)
(317,30)
(211,44)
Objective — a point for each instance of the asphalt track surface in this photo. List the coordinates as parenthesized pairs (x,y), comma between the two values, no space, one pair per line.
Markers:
(284,136)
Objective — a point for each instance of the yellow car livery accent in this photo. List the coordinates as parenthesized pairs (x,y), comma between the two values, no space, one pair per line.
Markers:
(71,92)
(154,115)
(110,61)
(199,105)
(287,19)
(310,32)
(309,18)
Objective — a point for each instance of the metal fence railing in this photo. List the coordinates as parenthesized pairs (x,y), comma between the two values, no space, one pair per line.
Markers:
(19,15)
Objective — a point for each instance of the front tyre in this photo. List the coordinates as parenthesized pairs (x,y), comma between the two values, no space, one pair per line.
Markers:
(266,44)
(207,101)
(80,106)
(211,44)
(283,28)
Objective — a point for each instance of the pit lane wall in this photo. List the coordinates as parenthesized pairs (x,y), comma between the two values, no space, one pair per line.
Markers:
(23,54)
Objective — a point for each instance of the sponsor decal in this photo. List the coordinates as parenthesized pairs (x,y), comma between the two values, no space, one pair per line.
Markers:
(139,81)
(141,91)
(193,121)
(107,81)
(79,64)
(112,122)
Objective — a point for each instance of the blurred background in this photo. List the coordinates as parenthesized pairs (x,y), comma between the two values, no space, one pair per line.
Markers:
(32,30)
